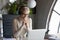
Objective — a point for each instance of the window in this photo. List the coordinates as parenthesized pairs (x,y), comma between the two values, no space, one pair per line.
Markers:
(54,25)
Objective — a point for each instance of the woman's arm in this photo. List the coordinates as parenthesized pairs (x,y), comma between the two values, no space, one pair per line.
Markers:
(18,32)
(30,24)
(14,27)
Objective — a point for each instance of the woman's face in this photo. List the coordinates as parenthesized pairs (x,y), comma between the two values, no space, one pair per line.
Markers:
(25,11)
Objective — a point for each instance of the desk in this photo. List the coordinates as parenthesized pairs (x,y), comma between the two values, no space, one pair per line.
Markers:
(52,38)
(9,39)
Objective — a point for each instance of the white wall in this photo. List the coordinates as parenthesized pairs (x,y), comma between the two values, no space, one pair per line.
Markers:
(3,3)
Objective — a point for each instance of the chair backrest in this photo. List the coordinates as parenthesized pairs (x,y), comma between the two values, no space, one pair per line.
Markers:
(7,25)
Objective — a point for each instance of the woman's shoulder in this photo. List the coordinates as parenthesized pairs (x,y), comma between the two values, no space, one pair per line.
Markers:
(15,19)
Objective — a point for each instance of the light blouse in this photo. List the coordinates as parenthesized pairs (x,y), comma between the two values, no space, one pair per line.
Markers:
(19,29)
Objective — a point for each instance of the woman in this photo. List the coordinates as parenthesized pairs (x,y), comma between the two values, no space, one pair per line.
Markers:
(22,24)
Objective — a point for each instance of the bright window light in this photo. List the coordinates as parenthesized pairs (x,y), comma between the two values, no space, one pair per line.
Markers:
(54,23)
(55,19)
(57,6)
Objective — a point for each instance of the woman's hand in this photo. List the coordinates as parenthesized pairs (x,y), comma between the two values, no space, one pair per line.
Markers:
(26,23)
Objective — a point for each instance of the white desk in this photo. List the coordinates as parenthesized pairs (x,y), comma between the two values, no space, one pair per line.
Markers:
(33,35)
(52,38)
